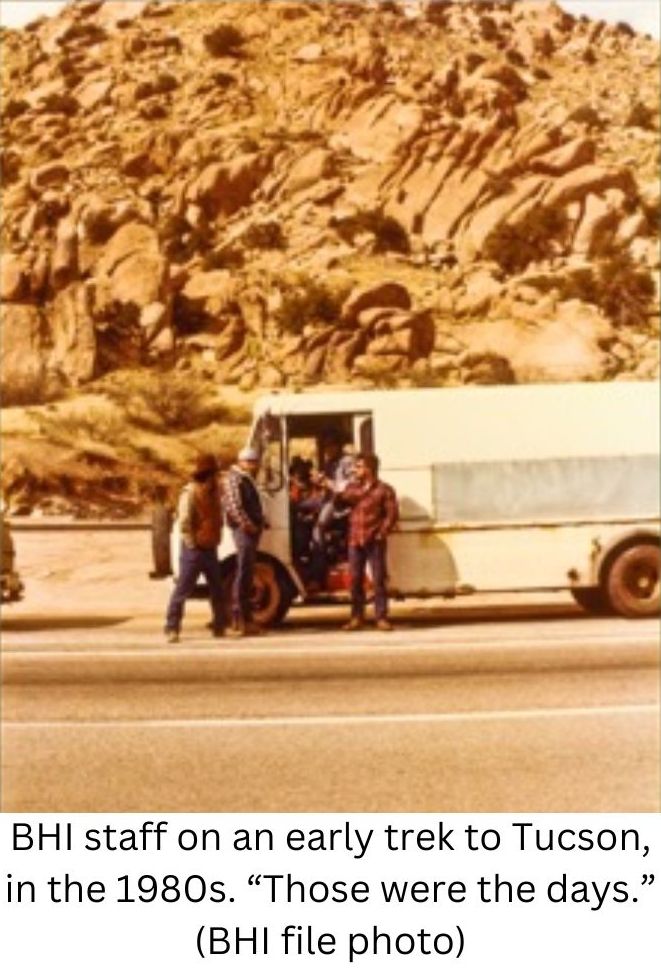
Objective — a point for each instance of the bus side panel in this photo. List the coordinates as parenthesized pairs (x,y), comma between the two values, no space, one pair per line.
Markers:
(506,558)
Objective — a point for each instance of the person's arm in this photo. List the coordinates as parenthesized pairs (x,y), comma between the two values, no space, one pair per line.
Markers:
(351,494)
(185,515)
(234,506)
(390,512)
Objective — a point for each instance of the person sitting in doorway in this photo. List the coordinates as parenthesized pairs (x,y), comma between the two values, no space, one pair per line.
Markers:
(337,470)
(306,499)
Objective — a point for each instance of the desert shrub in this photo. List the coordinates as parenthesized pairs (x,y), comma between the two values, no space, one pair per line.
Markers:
(587,115)
(165,401)
(642,116)
(305,300)
(225,40)
(389,234)
(376,378)
(537,237)
(31,390)
(618,286)
(78,429)
(264,236)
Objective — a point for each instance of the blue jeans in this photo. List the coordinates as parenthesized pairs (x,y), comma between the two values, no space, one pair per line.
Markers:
(374,554)
(194,561)
(246,555)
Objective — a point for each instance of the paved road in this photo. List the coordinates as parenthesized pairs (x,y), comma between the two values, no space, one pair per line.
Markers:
(476,708)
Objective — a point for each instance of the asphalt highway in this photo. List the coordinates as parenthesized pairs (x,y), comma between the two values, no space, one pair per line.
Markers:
(470,707)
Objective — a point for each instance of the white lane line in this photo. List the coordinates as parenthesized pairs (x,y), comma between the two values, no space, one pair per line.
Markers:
(637,709)
(535,643)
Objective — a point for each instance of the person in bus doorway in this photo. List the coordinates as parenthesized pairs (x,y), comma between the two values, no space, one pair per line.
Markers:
(244,515)
(374,513)
(200,517)
(335,473)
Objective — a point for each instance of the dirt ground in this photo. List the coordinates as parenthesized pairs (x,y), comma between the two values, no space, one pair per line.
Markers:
(92,570)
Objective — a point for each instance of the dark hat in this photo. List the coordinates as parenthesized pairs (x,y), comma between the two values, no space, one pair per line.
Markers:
(205,463)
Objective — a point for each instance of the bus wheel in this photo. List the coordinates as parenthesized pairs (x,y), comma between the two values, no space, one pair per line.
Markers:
(592,600)
(632,583)
(270,600)
(161,526)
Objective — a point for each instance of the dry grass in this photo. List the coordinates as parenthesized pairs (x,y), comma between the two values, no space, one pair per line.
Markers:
(112,450)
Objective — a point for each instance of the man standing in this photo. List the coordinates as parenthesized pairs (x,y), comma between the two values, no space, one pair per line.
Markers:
(200,518)
(243,510)
(374,513)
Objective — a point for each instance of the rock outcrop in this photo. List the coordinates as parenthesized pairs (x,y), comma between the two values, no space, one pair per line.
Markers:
(288,193)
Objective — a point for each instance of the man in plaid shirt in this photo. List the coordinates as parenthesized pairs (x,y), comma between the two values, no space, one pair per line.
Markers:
(374,513)
(244,515)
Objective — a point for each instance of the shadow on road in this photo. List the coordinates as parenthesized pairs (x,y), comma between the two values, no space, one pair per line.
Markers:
(428,617)
(46,623)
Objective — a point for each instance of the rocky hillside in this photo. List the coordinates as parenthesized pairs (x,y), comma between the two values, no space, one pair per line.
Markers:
(287,193)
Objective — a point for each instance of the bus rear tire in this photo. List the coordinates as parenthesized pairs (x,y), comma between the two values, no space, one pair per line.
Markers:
(632,582)
(592,600)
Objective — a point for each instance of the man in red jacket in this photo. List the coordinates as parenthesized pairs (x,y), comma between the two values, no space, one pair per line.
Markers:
(374,513)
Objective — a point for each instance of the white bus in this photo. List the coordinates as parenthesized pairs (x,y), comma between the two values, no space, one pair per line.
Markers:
(501,489)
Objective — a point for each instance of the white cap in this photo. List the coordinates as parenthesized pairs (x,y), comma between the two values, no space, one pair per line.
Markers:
(249,455)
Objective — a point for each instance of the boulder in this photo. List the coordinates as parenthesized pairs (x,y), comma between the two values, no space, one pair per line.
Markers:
(487,369)
(140,279)
(309,53)
(314,363)
(93,93)
(39,274)
(578,183)
(482,288)
(14,278)
(72,334)
(154,318)
(223,188)
(597,227)
(209,291)
(571,155)
(132,270)
(64,264)
(396,343)
(118,13)
(315,165)
(51,174)
(388,294)
(372,317)
(341,354)
(131,239)
(565,348)
(380,128)
(22,360)
(381,366)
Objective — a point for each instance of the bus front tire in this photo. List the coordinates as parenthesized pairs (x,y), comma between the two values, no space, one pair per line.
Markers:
(632,582)
(270,600)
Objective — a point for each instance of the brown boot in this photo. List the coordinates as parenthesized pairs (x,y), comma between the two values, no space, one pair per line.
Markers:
(383,625)
(252,628)
(353,625)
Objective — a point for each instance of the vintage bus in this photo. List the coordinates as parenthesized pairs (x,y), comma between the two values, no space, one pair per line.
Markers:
(501,489)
